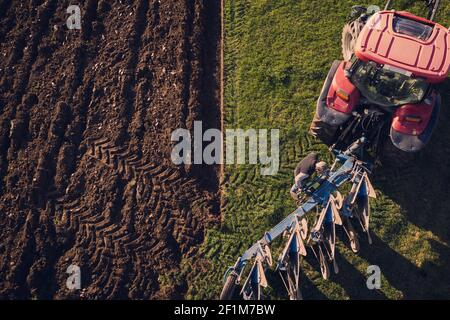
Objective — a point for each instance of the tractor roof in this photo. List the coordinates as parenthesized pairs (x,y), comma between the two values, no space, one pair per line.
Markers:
(405,41)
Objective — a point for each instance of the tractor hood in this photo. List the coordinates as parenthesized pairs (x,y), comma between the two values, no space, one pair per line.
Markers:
(424,56)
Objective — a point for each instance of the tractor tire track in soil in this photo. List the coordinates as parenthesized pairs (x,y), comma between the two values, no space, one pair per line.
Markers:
(86,118)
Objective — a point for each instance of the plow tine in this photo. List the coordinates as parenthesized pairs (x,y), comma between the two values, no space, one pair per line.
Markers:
(334,204)
(288,264)
(303,229)
(339,200)
(346,212)
(324,268)
(268,255)
(361,197)
(319,223)
(330,241)
(356,205)
(291,278)
(363,214)
(371,191)
(351,234)
(231,280)
(332,218)
(320,256)
(256,279)
(369,238)
(324,234)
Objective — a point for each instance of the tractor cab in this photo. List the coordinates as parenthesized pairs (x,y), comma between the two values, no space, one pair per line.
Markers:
(386,86)
(418,47)
(392,60)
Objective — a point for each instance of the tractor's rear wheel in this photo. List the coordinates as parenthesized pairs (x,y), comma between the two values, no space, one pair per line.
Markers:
(323,131)
(229,287)
(350,34)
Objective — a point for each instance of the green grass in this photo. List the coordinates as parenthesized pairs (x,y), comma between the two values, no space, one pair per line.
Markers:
(277,55)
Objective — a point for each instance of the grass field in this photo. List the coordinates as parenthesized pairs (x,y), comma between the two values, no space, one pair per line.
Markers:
(277,54)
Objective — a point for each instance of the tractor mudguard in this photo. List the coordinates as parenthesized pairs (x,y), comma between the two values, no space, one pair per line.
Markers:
(413,125)
(326,110)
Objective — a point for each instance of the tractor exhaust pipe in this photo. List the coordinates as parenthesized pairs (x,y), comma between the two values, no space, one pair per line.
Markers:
(433,7)
(388,4)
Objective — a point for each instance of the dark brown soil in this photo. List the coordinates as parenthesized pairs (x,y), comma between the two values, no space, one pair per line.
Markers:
(85,123)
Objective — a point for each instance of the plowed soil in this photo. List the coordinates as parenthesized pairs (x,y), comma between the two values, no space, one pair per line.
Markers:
(86,118)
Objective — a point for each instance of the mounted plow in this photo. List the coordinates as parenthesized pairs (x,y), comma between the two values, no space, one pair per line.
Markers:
(330,209)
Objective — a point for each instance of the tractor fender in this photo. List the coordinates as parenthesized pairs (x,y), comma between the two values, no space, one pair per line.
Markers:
(324,113)
(410,136)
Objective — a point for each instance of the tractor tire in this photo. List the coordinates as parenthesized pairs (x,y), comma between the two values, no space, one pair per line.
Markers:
(350,34)
(229,287)
(323,131)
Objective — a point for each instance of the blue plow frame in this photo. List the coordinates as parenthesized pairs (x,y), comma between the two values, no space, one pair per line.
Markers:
(346,168)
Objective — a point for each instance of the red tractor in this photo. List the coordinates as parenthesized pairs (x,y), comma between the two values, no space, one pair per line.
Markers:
(386,83)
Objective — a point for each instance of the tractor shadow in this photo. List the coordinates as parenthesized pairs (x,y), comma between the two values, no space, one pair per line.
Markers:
(420,187)
(419,182)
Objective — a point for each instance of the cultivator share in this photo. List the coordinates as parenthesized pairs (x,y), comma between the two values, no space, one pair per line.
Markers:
(383,88)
